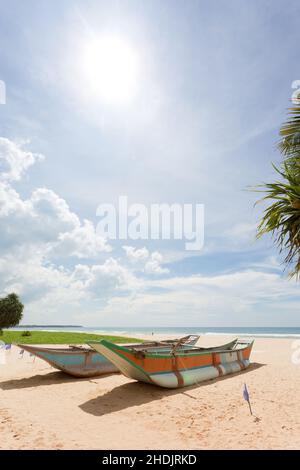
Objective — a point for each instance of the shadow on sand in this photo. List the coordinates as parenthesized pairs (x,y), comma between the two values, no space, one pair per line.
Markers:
(139,393)
(40,380)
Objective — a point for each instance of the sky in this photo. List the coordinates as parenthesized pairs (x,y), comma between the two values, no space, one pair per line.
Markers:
(163,102)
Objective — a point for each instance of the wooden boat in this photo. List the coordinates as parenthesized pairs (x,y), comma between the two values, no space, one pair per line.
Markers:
(75,361)
(177,366)
(86,362)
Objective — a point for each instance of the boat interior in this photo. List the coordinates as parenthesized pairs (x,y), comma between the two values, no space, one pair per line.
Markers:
(184,348)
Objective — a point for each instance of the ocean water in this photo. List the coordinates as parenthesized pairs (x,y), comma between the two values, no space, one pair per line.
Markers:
(264,332)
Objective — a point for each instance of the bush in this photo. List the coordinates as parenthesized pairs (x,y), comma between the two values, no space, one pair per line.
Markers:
(26,333)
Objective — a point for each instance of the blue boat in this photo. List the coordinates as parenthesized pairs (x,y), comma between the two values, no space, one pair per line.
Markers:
(76,361)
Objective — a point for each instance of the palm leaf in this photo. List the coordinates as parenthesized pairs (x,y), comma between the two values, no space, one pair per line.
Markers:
(290,133)
(281,218)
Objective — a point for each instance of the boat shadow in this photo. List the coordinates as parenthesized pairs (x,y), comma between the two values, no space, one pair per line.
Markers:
(41,380)
(138,393)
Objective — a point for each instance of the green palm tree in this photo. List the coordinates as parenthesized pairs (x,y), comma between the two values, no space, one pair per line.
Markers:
(282,217)
(290,133)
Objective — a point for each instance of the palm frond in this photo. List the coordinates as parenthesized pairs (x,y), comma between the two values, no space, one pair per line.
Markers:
(290,133)
(282,217)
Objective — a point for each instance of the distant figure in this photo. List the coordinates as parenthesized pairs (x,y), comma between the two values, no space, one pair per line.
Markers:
(152,333)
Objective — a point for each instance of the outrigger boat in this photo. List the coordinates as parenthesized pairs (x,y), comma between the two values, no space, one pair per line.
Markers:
(177,366)
(86,362)
(75,360)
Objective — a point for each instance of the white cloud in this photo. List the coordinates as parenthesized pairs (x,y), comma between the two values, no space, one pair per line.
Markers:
(109,277)
(46,288)
(44,220)
(83,242)
(103,280)
(242,298)
(39,229)
(148,262)
(28,274)
(14,160)
(135,255)
(38,220)
(153,266)
(10,201)
(42,228)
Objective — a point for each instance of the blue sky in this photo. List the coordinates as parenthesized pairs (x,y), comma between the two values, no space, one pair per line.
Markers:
(212,85)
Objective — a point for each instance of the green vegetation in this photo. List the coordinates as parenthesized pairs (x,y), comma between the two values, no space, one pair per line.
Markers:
(61,337)
(11,311)
(26,333)
(281,218)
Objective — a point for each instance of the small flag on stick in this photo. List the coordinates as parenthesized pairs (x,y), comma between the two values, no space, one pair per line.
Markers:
(246,397)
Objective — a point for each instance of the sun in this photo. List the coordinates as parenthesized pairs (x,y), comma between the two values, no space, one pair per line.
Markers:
(110,69)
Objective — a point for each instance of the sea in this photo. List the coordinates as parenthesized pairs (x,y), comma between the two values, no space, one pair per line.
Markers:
(263,332)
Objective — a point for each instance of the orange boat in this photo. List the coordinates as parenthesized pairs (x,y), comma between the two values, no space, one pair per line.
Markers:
(178,366)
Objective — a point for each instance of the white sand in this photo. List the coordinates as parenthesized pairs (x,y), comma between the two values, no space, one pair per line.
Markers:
(42,408)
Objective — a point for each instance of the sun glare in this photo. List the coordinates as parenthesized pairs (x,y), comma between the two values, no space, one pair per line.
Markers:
(110,68)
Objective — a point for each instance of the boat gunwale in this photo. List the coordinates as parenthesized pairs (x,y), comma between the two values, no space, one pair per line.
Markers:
(178,353)
(36,349)
(154,344)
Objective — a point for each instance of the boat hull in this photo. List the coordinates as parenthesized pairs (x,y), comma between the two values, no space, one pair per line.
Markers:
(75,362)
(180,370)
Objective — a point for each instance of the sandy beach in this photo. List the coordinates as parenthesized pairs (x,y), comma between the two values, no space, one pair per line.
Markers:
(41,408)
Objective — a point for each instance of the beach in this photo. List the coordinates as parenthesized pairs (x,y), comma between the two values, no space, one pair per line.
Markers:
(41,408)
